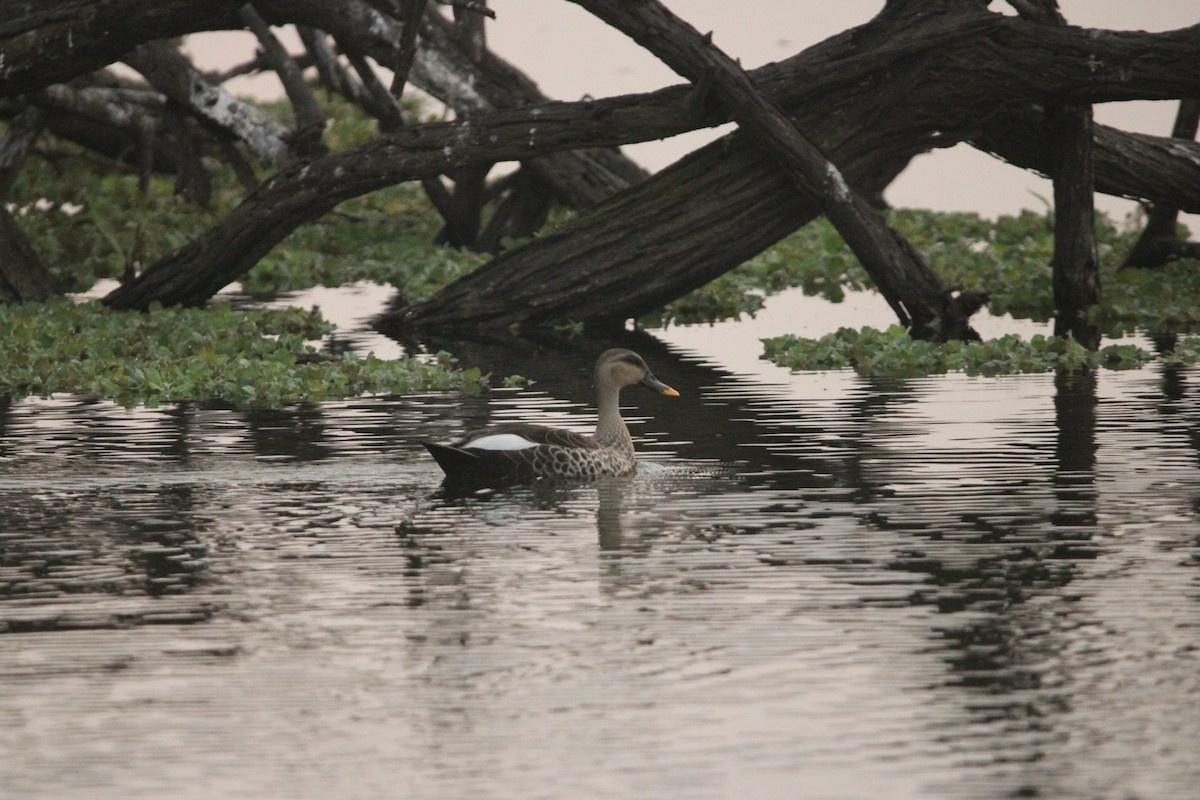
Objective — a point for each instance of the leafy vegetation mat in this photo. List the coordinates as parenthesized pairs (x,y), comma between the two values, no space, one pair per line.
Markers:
(256,358)
(892,352)
(90,222)
(1009,259)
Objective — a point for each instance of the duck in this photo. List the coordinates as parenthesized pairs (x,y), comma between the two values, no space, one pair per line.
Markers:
(515,452)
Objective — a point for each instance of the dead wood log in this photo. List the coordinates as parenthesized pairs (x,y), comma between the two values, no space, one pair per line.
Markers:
(725,203)
(1137,166)
(444,69)
(52,41)
(172,74)
(305,191)
(901,274)
(722,205)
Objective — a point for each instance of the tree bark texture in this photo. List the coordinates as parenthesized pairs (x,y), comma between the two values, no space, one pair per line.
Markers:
(51,41)
(901,274)
(172,74)
(1076,264)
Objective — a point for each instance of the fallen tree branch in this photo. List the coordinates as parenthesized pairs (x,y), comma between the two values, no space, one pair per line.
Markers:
(645,250)
(310,121)
(172,74)
(967,75)
(52,41)
(445,70)
(902,275)
(406,50)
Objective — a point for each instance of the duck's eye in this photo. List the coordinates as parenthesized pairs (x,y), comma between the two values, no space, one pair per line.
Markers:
(633,361)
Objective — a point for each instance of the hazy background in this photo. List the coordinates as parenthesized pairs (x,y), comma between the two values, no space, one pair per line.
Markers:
(570,55)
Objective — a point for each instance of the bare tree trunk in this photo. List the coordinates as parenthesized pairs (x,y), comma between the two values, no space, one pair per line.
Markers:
(1076,264)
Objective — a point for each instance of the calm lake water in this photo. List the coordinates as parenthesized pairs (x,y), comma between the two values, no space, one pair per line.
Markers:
(817,585)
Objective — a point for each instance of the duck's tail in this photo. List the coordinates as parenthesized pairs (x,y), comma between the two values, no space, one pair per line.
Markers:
(454,461)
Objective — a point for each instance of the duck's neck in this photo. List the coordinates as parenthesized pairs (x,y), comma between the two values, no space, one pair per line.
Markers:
(610,428)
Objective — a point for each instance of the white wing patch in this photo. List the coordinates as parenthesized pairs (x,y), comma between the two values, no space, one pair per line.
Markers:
(501,441)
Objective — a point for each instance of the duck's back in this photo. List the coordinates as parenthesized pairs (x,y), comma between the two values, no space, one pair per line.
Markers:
(529,451)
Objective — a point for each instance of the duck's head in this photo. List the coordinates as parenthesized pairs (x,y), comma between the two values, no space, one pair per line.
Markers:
(621,368)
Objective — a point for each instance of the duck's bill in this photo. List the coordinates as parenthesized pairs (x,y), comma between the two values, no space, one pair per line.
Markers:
(658,386)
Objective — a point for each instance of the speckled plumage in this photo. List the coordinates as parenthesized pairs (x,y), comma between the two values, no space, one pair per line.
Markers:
(554,452)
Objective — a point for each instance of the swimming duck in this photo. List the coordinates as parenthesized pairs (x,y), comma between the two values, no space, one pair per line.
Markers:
(518,451)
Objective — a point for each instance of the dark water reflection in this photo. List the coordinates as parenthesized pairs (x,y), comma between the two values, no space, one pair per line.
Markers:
(816,586)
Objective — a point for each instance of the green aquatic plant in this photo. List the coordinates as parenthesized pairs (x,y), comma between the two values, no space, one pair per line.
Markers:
(255,358)
(893,352)
(1008,258)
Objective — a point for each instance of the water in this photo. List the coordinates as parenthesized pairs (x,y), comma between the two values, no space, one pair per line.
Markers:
(816,586)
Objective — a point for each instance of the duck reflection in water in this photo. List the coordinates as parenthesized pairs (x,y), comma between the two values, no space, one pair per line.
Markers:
(520,452)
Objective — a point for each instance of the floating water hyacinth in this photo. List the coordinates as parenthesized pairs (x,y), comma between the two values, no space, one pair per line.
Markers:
(257,358)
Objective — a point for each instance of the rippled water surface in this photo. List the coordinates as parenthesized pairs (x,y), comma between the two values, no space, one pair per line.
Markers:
(816,586)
